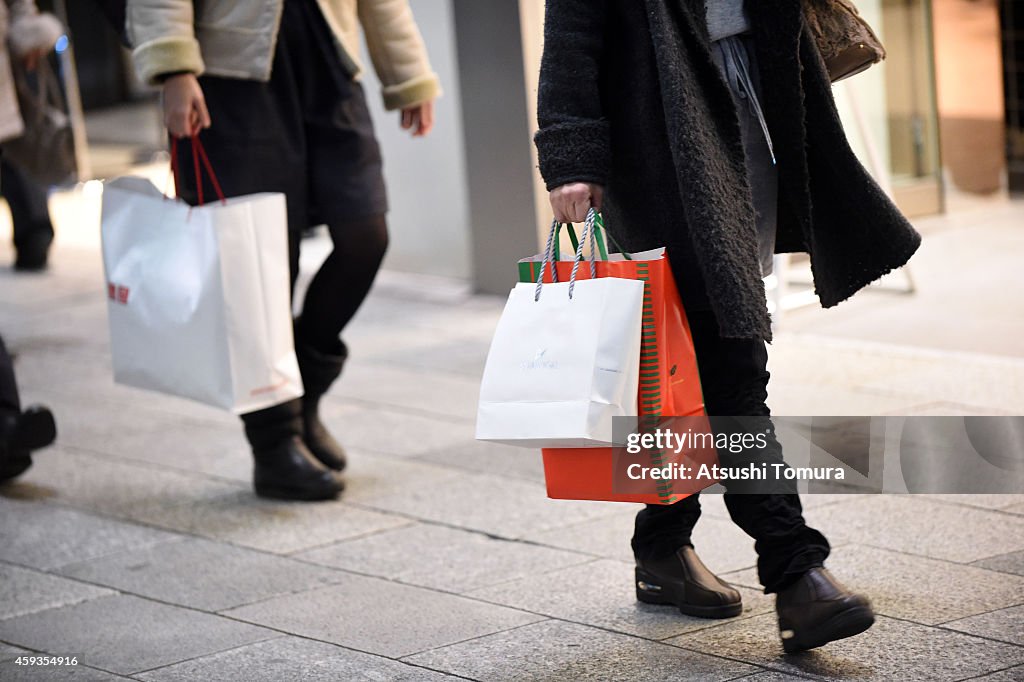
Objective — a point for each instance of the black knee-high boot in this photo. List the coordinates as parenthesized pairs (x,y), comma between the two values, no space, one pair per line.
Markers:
(284,468)
(319,370)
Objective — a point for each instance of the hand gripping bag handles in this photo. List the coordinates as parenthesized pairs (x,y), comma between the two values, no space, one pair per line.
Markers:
(564,360)
(669,386)
(198,297)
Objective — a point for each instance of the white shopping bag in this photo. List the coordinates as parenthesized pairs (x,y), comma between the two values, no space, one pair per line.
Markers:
(562,367)
(199,297)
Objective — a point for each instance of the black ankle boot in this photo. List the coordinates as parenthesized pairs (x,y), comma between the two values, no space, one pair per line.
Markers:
(319,370)
(817,609)
(284,468)
(20,434)
(685,582)
(33,253)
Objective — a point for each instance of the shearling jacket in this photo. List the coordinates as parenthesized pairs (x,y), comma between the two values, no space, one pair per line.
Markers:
(236,38)
(630,98)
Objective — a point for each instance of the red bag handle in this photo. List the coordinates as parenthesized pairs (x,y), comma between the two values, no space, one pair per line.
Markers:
(198,153)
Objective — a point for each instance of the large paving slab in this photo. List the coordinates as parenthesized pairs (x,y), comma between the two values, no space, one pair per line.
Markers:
(712,502)
(1014,674)
(412,307)
(427,392)
(8,652)
(1006,625)
(989,380)
(501,506)
(602,593)
(197,446)
(81,375)
(372,478)
(459,356)
(568,652)
(272,526)
(390,431)
(202,574)
(292,658)
(916,588)
(77,323)
(720,543)
(490,458)
(46,537)
(125,634)
(24,591)
(772,677)
(790,397)
(985,501)
(11,672)
(1005,563)
(891,650)
(914,524)
(382,617)
(443,558)
(119,487)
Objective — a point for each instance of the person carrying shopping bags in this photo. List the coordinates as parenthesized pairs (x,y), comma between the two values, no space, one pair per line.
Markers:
(271,87)
(26,34)
(708,127)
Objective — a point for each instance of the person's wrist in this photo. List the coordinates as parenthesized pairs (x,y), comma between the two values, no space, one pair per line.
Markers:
(172,75)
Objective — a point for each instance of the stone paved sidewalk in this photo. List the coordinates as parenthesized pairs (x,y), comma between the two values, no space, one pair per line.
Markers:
(136,542)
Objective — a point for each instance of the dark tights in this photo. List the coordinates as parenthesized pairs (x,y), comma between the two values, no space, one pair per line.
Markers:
(343,281)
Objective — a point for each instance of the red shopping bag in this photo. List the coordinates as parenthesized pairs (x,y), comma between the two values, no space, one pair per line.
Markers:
(669,387)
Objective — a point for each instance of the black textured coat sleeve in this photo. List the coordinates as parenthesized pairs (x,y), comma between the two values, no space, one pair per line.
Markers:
(572,140)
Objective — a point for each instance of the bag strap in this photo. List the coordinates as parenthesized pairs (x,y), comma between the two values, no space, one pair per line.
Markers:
(608,236)
(550,251)
(588,230)
(198,155)
(599,232)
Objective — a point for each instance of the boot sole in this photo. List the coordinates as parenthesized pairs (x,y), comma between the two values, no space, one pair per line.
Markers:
(297,494)
(667,598)
(12,467)
(845,624)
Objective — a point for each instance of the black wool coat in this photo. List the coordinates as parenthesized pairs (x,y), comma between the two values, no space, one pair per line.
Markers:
(630,98)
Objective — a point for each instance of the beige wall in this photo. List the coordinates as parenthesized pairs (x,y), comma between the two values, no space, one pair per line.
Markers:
(968,66)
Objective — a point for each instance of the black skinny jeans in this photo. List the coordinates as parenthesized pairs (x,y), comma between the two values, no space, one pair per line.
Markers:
(10,405)
(734,377)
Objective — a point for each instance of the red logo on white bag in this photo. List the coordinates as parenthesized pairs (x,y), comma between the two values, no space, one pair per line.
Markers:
(117,292)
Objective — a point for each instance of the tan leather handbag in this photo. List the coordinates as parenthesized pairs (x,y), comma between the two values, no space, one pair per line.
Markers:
(846,41)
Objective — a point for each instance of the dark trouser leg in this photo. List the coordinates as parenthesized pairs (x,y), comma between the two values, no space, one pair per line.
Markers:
(9,401)
(661,529)
(734,378)
(20,432)
(30,214)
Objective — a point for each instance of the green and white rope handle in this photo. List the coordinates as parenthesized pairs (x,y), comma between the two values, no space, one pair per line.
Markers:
(592,226)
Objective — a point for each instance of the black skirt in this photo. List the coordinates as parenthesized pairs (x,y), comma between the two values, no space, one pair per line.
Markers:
(306,132)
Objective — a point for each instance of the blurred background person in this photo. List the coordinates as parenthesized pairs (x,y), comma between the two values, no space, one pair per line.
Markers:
(26,35)
(272,90)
